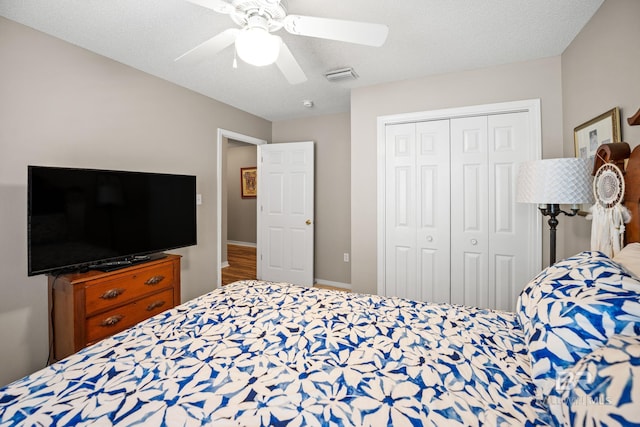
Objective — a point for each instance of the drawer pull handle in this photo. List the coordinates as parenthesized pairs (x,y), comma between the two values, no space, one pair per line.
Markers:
(111,320)
(112,293)
(155,305)
(154,280)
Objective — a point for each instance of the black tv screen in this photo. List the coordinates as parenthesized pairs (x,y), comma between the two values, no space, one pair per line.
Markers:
(80,218)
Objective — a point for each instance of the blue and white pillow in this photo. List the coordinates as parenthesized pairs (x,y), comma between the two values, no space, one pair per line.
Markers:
(574,307)
(603,388)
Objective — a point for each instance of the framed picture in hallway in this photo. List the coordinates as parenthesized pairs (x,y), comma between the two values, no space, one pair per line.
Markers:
(249,182)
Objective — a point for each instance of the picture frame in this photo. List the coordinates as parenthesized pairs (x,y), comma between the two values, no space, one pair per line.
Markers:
(600,130)
(249,182)
(590,135)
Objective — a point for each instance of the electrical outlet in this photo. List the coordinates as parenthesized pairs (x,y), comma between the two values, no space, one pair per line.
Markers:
(346,257)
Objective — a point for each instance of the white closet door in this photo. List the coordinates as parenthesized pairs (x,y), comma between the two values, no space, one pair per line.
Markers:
(489,262)
(433,228)
(450,229)
(469,210)
(400,210)
(509,142)
(417,211)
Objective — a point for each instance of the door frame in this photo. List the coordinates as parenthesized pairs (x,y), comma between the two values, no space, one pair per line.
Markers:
(531,106)
(222,134)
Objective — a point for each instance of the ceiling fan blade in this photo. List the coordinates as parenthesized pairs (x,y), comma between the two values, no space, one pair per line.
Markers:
(210,47)
(289,66)
(337,29)
(220,6)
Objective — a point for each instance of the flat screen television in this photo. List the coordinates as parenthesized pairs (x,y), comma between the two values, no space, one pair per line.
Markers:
(105,219)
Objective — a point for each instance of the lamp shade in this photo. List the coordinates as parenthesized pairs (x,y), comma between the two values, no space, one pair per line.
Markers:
(555,181)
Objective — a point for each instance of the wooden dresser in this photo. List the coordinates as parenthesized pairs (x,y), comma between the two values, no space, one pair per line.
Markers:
(87,307)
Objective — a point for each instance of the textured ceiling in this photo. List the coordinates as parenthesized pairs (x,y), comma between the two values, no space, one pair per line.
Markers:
(425,37)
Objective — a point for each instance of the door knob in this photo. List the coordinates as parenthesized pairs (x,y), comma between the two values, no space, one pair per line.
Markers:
(429,238)
(308,222)
(474,242)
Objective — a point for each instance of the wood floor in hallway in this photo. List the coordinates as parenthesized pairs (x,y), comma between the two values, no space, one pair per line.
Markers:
(242,266)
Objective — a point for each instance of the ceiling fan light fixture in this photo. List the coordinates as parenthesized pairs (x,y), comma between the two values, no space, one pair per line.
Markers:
(256,46)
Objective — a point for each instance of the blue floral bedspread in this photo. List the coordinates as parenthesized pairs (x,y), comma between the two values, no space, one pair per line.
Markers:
(258,353)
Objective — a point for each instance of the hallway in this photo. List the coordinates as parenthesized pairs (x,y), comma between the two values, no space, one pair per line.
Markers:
(242,266)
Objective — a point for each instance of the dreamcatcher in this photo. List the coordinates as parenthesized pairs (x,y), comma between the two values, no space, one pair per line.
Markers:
(608,214)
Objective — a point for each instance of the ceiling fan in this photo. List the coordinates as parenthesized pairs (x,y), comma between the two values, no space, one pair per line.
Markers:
(256,45)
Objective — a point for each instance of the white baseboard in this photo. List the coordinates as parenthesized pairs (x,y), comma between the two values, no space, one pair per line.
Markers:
(235,242)
(340,285)
(225,264)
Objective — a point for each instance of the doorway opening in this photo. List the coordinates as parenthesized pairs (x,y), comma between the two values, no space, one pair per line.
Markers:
(242,263)
(223,139)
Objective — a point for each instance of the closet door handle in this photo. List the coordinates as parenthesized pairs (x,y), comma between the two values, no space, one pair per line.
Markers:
(474,242)
(429,238)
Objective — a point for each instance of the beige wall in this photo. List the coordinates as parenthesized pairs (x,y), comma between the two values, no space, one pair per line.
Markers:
(528,80)
(241,213)
(331,134)
(64,106)
(600,70)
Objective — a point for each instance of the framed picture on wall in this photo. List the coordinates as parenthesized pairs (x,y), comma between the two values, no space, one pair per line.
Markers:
(249,182)
(587,137)
(600,130)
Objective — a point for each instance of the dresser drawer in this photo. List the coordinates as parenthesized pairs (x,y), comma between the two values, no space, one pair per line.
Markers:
(121,318)
(107,294)
(89,306)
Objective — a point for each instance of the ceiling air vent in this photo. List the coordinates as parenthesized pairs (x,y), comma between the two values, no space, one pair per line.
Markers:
(341,74)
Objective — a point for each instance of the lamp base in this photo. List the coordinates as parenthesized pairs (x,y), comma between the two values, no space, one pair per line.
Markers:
(552,210)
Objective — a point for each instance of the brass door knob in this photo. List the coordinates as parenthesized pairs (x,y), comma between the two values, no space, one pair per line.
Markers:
(308,222)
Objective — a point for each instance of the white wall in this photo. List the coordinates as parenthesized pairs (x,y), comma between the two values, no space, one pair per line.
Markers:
(512,82)
(61,105)
(600,70)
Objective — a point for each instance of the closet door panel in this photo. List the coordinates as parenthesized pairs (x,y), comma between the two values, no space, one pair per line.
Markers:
(417,211)
(469,208)
(509,145)
(400,211)
(433,227)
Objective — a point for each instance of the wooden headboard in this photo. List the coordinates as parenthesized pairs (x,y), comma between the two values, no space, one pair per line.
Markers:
(617,153)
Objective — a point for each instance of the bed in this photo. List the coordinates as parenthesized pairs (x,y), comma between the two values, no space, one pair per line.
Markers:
(260,353)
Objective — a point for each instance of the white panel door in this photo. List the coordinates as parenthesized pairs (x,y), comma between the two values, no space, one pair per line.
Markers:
(286,212)
(432,214)
(469,210)
(417,211)
(489,262)
(449,227)
(400,212)
(508,146)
